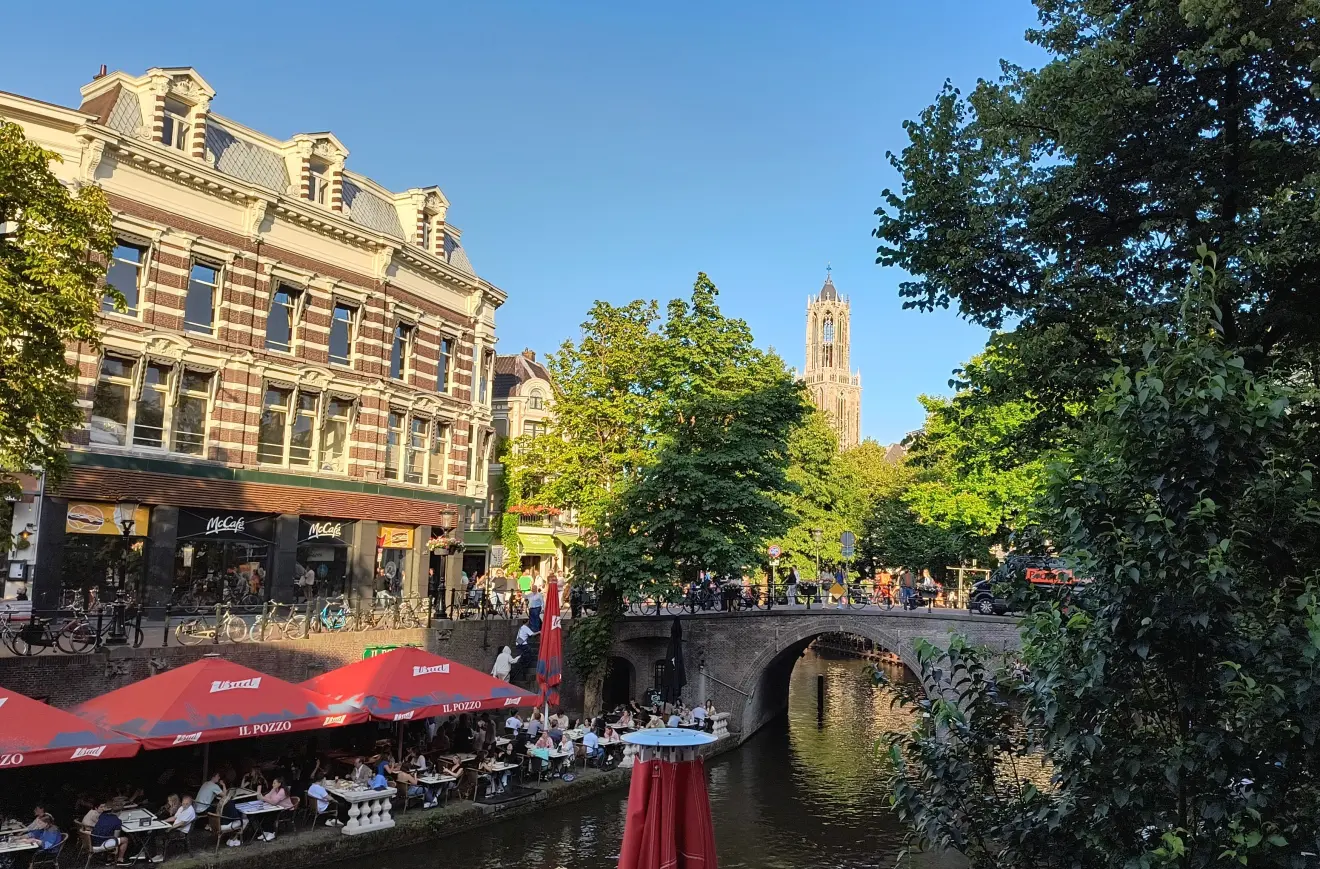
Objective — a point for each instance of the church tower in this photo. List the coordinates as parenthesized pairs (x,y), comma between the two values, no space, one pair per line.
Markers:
(833,387)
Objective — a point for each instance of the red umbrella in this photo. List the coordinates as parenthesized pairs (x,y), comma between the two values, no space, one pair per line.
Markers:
(408,683)
(212,700)
(33,733)
(668,823)
(550,661)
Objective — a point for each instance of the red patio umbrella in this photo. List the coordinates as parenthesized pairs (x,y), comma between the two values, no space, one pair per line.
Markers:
(407,683)
(668,822)
(212,700)
(33,733)
(550,660)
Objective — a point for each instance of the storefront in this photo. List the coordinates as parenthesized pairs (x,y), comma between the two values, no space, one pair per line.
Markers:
(394,549)
(223,556)
(100,558)
(324,564)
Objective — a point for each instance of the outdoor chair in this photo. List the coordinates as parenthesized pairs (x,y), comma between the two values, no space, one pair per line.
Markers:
(109,849)
(312,813)
(221,828)
(50,857)
(289,817)
(176,838)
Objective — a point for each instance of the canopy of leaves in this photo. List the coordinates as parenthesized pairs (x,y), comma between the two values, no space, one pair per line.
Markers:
(51,267)
(827,495)
(1177,707)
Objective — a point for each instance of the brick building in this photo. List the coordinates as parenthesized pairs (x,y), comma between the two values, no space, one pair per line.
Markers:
(299,388)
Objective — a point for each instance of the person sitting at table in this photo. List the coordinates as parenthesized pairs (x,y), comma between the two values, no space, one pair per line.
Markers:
(180,821)
(208,793)
(361,772)
(625,718)
(699,715)
(253,780)
(590,747)
(42,830)
(655,722)
(231,819)
(674,719)
(93,815)
(171,806)
(513,723)
(611,733)
(490,765)
(556,733)
(107,829)
(317,791)
(41,820)
(276,796)
(534,726)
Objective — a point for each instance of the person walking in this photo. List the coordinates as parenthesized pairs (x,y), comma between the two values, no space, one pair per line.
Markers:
(791,586)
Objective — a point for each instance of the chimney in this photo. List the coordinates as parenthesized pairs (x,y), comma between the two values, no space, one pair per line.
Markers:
(529,355)
(100,74)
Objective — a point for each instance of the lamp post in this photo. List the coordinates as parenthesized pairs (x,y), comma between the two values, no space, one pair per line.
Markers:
(125,515)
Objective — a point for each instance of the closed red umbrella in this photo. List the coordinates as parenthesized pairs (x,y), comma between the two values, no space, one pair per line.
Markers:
(212,700)
(32,733)
(407,683)
(668,822)
(550,661)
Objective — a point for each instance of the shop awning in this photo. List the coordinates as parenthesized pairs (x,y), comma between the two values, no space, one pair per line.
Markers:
(407,683)
(212,700)
(536,544)
(32,733)
(566,540)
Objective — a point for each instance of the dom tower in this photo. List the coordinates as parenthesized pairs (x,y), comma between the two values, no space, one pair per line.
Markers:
(834,389)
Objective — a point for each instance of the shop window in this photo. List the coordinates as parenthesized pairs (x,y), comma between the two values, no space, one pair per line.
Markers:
(414,470)
(149,415)
(125,275)
(199,306)
(393,441)
(400,356)
(440,454)
(445,363)
(334,434)
(536,400)
(281,318)
(304,430)
(191,411)
(111,404)
(341,334)
(274,425)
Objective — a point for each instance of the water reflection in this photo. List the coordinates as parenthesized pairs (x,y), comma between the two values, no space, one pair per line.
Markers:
(806,792)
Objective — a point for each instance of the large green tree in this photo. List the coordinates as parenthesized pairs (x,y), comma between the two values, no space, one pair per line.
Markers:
(1176,705)
(54,243)
(827,495)
(1068,200)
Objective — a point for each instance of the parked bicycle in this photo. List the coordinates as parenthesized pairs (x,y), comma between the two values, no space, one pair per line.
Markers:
(278,621)
(225,626)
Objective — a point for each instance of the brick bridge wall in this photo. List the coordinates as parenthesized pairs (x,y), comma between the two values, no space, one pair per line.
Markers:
(743,660)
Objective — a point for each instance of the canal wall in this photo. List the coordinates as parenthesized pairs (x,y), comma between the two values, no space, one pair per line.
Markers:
(415,827)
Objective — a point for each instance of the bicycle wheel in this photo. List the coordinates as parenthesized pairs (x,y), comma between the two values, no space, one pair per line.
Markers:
(235,629)
(333,618)
(32,640)
(193,632)
(76,637)
(295,627)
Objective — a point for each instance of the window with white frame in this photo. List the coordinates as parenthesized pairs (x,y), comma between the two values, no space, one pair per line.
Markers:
(342,324)
(304,429)
(318,182)
(471,451)
(203,292)
(483,443)
(112,403)
(273,433)
(402,351)
(425,238)
(414,465)
(533,428)
(302,435)
(393,443)
(444,364)
(125,275)
(536,400)
(149,413)
(282,318)
(334,434)
(174,134)
(487,376)
(191,410)
(440,453)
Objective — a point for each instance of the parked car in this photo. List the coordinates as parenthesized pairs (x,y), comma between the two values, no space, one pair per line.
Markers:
(1016,581)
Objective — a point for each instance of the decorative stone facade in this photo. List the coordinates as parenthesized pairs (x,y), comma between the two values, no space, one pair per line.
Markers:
(833,387)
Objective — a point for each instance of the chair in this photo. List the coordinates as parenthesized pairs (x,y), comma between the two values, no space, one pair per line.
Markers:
(176,837)
(111,846)
(289,817)
(49,856)
(221,828)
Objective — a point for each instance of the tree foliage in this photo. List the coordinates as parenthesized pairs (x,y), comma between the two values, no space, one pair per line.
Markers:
(51,266)
(827,494)
(1177,706)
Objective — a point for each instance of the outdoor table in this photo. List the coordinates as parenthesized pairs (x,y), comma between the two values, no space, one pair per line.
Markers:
(461,758)
(12,845)
(494,770)
(256,807)
(576,733)
(140,822)
(368,809)
(438,780)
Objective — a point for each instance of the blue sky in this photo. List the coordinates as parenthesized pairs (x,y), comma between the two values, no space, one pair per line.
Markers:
(600,150)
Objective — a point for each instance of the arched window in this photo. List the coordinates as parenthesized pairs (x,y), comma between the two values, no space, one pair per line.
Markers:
(827,342)
(535,400)
(827,334)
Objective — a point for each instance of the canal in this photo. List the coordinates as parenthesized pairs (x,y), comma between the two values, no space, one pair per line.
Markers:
(803,793)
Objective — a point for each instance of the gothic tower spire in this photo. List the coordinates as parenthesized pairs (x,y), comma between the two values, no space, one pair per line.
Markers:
(833,387)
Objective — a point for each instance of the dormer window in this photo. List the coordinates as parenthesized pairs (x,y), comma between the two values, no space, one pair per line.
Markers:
(426,233)
(318,182)
(174,134)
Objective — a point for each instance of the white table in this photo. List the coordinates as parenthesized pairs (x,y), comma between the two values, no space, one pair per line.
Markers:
(437,780)
(368,809)
(252,808)
(140,822)
(14,844)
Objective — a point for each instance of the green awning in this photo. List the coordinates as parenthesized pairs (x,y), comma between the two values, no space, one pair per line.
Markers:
(536,544)
(566,540)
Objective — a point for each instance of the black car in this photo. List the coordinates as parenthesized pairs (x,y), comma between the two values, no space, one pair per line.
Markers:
(1013,579)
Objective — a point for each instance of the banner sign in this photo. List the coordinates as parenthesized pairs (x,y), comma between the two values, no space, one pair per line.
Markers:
(395,536)
(93,517)
(328,532)
(226,525)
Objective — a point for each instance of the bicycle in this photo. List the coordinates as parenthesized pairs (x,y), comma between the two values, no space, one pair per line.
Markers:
(336,613)
(411,612)
(271,626)
(27,639)
(196,631)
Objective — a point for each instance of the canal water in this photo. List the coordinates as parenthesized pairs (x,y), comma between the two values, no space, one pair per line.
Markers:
(804,793)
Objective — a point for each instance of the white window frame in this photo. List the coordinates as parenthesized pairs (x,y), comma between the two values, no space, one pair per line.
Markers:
(440,479)
(166,391)
(355,317)
(131,382)
(409,346)
(446,386)
(179,394)
(408,451)
(324,420)
(297,301)
(179,125)
(134,313)
(193,262)
(318,182)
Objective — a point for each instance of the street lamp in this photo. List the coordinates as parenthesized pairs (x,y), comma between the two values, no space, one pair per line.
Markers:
(816,534)
(125,516)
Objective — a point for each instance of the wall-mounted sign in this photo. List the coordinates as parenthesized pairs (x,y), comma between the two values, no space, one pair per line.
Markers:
(325,531)
(395,536)
(226,525)
(92,517)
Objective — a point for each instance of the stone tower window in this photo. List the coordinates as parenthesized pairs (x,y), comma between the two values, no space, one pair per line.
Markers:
(827,338)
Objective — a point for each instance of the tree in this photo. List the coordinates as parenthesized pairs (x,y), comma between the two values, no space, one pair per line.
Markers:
(894,536)
(53,248)
(1176,703)
(826,495)
(1070,198)
(877,476)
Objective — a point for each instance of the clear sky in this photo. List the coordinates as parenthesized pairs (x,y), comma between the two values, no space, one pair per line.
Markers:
(599,149)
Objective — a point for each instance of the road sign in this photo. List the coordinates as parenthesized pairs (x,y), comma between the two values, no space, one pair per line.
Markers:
(848,541)
(775,551)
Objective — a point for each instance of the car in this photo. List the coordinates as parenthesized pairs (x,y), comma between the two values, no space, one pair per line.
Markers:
(1016,576)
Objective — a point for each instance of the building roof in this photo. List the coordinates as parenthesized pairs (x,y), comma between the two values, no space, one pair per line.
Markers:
(827,292)
(514,370)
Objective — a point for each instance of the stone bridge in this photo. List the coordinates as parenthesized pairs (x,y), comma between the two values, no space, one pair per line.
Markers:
(743,660)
